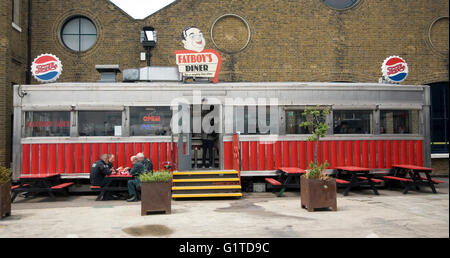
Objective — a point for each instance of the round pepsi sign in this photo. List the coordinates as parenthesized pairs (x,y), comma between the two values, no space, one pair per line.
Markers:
(394,69)
(46,68)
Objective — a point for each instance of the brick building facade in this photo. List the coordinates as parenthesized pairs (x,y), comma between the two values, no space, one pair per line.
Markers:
(289,41)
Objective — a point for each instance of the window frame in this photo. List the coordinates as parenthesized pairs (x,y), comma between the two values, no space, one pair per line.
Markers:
(79,34)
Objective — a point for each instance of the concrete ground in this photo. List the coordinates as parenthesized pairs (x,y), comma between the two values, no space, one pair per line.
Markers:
(256,215)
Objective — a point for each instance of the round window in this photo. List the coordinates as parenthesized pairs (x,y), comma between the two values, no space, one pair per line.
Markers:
(79,33)
(340,4)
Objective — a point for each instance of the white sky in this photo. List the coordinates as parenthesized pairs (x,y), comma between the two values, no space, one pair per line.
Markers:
(139,9)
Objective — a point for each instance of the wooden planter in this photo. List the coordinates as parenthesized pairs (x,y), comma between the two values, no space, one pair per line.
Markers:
(156,197)
(316,193)
(5,200)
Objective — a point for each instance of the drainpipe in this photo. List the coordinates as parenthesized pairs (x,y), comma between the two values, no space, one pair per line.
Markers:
(28,68)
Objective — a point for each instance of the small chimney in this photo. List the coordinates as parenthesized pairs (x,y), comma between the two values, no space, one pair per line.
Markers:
(108,73)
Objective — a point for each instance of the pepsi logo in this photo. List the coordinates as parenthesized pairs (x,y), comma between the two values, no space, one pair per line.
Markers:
(46,68)
(394,69)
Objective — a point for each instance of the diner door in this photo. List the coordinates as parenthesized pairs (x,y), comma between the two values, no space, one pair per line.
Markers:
(184,138)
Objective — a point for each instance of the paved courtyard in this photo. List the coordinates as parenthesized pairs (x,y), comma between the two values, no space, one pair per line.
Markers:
(256,215)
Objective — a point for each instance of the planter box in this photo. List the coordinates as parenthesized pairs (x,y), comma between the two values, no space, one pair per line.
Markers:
(156,197)
(5,200)
(316,193)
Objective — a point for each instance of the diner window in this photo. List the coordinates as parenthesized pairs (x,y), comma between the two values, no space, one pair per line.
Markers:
(352,122)
(293,120)
(439,117)
(247,120)
(47,123)
(79,33)
(148,121)
(399,122)
(100,123)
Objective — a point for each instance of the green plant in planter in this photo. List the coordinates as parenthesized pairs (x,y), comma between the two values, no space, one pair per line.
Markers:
(157,176)
(315,122)
(5,175)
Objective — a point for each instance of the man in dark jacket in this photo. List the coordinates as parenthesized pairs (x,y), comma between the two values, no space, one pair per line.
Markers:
(99,170)
(148,165)
(134,184)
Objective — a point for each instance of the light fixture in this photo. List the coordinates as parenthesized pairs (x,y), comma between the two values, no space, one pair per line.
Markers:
(148,40)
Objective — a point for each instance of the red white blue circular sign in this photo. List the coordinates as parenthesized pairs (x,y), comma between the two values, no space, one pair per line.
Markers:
(394,69)
(46,68)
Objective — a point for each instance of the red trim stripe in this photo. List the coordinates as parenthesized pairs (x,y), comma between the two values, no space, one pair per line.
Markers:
(309,153)
(341,153)
(357,153)
(270,164)
(52,158)
(326,152)
(349,155)
(334,153)
(262,156)
(365,153)
(411,145)
(86,157)
(294,153)
(61,158)
(121,162)
(302,160)
(43,152)
(404,151)
(155,154)
(286,161)
(254,155)
(228,155)
(78,158)
(278,155)
(130,152)
(396,150)
(69,158)
(419,153)
(245,156)
(380,154)
(373,154)
(388,154)
(26,159)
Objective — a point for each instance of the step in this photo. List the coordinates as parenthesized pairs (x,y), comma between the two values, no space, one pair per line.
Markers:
(205,195)
(184,180)
(215,172)
(209,187)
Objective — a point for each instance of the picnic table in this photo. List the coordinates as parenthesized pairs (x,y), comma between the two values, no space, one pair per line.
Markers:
(115,183)
(359,177)
(287,177)
(38,184)
(415,179)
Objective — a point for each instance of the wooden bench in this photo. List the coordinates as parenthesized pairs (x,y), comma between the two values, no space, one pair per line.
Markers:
(340,181)
(62,186)
(273,182)
(17,186)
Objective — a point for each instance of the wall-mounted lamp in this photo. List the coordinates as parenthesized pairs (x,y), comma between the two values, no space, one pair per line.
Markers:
(148,40)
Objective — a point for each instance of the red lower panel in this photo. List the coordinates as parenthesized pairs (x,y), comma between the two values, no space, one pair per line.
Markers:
(69,158)
(302,155)
(113,150)
(52,158)
(26,159)
(309,153)
(411,147)
(294,154)
(349,155)
(35,158)
(43,152)
(95,152)
(419,153)
(286,155)
(373,154)
(319,152)
(61,158)
(357,153)
(380,154)
(278,155)
(130,152)
(164,152)
(245,156)
(78,158)
(147,150)
(104,149)
(87,158)
(388,154)
(365,153)
(396,151)
(155,154)
(404,152)
(262,156)
(270,164)
(334,154)
(121,156)
(326,152)
(341,153)
(228,155)
(137,148)
(254,156)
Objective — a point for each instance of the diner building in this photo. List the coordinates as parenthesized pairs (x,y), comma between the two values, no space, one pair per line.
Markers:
(112,96)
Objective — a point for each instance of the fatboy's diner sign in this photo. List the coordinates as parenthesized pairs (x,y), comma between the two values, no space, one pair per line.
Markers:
(195,61)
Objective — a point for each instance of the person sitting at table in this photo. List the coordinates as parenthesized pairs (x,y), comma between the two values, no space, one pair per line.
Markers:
(99,171)
(148,165)
(111,159)
(134,184)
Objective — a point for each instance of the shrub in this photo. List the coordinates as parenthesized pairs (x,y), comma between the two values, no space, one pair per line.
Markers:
(158,176)
(5,175)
